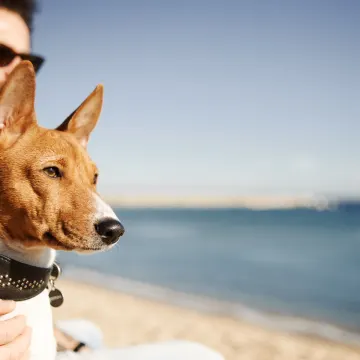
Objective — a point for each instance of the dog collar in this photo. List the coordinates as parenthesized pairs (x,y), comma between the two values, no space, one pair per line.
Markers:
(19,281)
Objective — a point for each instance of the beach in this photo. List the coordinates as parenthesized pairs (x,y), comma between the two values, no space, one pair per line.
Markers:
(130,320)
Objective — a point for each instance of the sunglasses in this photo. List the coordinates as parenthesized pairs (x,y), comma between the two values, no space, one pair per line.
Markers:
(7,55)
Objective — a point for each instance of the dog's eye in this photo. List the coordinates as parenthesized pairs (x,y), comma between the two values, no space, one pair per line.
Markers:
(52,171)
(95,179)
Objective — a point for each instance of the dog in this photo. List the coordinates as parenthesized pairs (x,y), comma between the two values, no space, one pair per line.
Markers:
(48,201)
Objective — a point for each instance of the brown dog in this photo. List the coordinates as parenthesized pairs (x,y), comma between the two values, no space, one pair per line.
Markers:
(48,197)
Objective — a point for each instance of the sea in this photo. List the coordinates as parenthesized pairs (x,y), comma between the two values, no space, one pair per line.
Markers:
(298,269)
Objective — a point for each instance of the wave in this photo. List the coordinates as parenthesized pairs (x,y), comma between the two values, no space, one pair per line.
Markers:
(217,307)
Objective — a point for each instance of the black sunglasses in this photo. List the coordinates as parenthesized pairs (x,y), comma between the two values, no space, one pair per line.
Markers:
(7,55)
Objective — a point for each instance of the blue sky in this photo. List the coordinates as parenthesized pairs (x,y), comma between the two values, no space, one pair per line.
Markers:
(210,97)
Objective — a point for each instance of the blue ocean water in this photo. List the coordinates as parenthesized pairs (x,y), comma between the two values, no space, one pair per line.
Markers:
(302,263)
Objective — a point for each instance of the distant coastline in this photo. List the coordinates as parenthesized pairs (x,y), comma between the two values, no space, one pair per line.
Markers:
(248,202)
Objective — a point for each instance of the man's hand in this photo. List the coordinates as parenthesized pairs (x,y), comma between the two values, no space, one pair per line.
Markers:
(15,336)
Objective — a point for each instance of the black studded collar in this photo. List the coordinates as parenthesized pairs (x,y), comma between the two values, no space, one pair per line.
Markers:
(20,281)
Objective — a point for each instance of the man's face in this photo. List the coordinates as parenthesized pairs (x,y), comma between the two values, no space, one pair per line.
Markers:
(15,34)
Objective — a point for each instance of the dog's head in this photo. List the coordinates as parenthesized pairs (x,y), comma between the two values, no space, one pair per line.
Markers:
(48,191)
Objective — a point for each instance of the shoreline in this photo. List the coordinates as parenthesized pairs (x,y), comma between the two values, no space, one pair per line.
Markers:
(271,321)
(128,320)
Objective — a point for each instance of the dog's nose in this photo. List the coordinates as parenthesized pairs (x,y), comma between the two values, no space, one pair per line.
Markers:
(110,230)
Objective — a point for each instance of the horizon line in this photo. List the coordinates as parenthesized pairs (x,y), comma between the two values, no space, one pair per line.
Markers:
(254,202)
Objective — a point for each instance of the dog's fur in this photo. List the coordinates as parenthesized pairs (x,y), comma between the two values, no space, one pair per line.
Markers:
(43,209)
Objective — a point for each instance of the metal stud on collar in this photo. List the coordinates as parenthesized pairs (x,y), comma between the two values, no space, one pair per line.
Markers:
(5,280)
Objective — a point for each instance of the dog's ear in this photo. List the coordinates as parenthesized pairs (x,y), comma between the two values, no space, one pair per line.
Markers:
(17,101)
(83,120)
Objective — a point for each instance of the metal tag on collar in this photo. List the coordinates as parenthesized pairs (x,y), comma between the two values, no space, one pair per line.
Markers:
(55,295)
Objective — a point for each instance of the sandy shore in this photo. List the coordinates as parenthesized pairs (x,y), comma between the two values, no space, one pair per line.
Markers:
(128,320)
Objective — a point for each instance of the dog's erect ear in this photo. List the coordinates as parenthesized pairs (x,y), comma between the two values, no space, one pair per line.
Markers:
(17,100)
(83,120)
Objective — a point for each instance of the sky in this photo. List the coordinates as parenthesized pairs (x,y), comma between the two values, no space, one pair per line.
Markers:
(206,97)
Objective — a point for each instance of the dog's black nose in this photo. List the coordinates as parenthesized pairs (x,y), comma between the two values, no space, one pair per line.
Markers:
(110,230)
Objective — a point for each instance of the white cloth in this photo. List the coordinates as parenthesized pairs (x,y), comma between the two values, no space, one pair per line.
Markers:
(172,350)
(88,333)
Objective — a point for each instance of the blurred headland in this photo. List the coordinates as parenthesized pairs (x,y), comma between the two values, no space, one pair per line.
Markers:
(247,202)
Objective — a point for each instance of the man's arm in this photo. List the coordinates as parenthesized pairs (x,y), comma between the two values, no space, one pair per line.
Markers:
(65,342)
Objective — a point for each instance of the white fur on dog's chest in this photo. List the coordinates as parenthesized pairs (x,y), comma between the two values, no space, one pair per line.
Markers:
(39,317)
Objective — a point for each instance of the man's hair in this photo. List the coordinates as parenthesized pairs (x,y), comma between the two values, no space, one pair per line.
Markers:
(25,8)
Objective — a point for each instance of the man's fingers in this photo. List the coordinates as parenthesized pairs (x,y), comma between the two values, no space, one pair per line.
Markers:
(15,337)
(18,348)
(11,329)
(6,306)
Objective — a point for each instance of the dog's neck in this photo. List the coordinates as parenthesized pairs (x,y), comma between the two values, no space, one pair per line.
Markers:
(41,257)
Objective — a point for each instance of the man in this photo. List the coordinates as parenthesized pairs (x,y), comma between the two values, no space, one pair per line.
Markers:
(15,28)
(16,25)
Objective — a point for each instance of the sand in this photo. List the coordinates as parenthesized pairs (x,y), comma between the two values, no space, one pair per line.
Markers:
(129,320)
